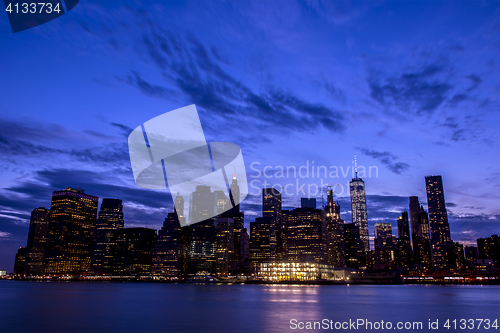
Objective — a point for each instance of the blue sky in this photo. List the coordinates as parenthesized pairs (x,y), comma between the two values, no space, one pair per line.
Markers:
(412,88)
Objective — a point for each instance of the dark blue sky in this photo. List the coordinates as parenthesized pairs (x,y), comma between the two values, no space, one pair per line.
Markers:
(412,88)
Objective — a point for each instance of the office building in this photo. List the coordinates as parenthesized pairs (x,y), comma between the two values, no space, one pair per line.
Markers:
(405,253)
(262,239)
(383,231)
(335,245)
(422,242)
(438,221)
(134,251)
(104,243)
(224,246)
(354,247)
(358,209)
(308,202)
(37,241)
(271,208)
(166,252)
(71,229)
(489,248)
(306,235)
(20,261)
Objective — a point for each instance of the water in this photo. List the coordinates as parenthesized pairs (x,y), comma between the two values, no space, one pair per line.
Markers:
(152,307)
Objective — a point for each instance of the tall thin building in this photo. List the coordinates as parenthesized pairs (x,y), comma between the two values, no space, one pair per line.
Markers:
(335,245)
(224,246)
(179,208)
(354,247)
(414,210)
(234,194)
(37,241)
(104,243)
(271,208)
(166,252)
(405,255)
(438,221)
(422,241)
(71,229)
(358,207)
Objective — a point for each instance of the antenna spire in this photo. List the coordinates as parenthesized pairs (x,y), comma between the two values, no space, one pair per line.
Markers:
(355,166)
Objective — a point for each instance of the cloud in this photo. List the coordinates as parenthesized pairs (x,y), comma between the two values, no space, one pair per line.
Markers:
(421,91)
(387,159)
(195,74)
(4,234)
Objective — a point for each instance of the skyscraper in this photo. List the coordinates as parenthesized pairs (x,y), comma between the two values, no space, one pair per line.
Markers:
(354,247)
(271,208)
(262,239)
(71,229)
(224,246)
(166,252)
(202,204)
(335,245)
(271,202)
(134,249)
(20,261)
(104,242)
(421,241)
(37,241)
(306,235)
(438,221)
(234,194)
(358,208)
(403,243)
(414,210)
(383,231)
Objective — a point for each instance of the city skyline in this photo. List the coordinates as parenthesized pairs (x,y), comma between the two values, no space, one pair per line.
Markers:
(71,238)
(290,84)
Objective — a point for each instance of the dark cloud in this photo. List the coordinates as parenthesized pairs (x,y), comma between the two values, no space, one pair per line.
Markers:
(387,159)
(422,91)
(147,88)
(195,72)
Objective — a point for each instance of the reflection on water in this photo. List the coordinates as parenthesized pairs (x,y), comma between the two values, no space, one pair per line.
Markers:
(149,307)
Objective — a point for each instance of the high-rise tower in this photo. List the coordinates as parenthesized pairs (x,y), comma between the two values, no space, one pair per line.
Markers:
(358,207)
(71,230)
(37,240)
(104,243)
(438,221)
(335,245)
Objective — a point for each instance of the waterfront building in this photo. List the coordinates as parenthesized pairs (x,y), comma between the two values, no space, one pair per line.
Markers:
(71,229)
(358,208)
(335,245)
(262,239)
(104,243)
(224,246)
(20,261)
(271,208)
(37,241)
(134,249)
(438,221)
(354,248)
(293,271)
(306,235)
(166,252)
